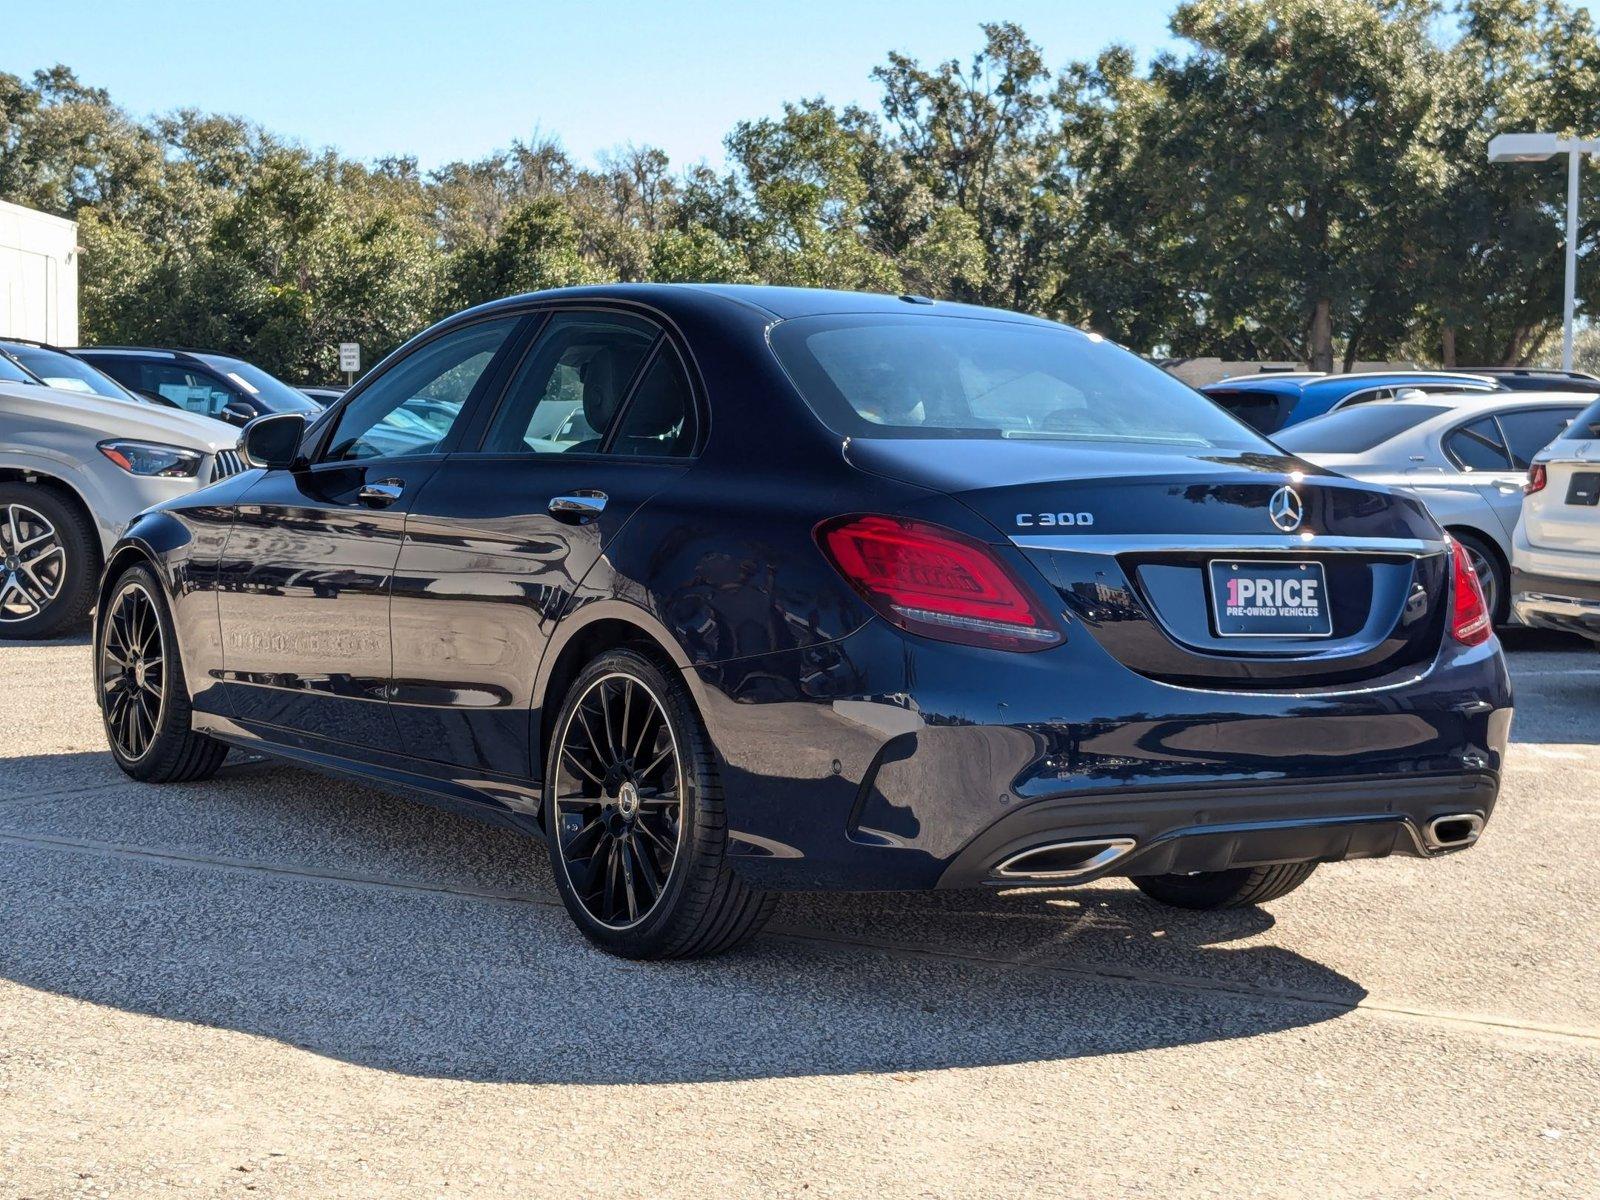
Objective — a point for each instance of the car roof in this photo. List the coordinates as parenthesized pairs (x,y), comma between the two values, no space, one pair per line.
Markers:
(780,303)
(1286,382)
(1466,400)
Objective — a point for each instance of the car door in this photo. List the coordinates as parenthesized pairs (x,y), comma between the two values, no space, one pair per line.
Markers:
(304,583)
(504,533)
(1494,452)
(1478,450)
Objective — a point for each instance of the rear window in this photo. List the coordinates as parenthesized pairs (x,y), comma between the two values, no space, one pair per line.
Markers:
(1585,425)
(1355,430)
(1263,411)
(920,376)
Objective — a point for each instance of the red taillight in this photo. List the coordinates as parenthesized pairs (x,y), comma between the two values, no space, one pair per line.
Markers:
(1536,480)
(936,582)
(1469,615)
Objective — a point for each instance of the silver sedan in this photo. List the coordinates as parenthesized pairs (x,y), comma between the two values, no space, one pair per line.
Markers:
(1466,457)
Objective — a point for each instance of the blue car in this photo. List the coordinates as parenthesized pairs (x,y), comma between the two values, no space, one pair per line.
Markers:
(725,591)
(1273,401)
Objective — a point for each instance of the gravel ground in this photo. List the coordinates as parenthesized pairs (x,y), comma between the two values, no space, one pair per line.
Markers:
(284,985)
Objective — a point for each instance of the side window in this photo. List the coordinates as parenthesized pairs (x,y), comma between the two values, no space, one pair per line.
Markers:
(659,417)
(188,389)
(1477,447)
(571,384)
(1531,430)
(1366,397)
(412,406)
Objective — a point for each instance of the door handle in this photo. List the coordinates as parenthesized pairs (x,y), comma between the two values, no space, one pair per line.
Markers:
(577,507)
(382,493)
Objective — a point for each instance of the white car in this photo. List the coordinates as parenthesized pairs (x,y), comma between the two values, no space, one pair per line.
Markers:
(1465,456)
(1555,553)
(75,468)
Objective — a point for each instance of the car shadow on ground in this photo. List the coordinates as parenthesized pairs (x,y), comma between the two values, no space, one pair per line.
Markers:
(439,975)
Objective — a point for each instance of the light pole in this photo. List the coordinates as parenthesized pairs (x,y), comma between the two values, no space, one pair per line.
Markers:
(1537,147)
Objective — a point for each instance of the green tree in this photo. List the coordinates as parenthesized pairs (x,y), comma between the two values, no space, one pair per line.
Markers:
(536,248)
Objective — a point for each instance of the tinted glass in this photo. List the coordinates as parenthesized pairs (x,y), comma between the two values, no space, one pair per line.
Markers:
(267,392)
(659,418)
(71,374)
(1355,430)
(1529,431)
(1477,447)
(1585,425)
(570,384)
(1265,412)
(412,406)
(871,375)
(183,387)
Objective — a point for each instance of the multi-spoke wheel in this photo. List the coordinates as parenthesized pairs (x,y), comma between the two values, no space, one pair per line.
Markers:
(142,696)
(47,562)
(634,817)
(132,671)
(618,792)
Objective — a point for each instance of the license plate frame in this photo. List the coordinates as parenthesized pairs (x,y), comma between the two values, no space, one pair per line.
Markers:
(1292,625)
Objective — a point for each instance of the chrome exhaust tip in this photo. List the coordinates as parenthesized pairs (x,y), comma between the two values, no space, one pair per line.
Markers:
(1063,860)
(1452,831)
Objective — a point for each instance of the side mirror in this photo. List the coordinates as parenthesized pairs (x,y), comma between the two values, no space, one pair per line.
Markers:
(273,440)
(239,412)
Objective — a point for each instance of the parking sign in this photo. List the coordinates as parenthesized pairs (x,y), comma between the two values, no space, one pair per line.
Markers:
(349,356)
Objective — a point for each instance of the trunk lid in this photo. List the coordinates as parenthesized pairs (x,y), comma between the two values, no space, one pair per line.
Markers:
(1139,541)
(1565,513)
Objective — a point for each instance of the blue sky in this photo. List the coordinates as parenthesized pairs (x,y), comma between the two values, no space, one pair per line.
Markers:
(444,81)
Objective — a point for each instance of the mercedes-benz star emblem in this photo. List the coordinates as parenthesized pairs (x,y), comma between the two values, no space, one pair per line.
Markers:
(1285,509)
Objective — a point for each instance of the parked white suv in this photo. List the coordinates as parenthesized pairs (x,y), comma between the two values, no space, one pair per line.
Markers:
(1555,551)
(75,468)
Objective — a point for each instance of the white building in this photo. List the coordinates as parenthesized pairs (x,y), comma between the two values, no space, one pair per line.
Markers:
(38,276)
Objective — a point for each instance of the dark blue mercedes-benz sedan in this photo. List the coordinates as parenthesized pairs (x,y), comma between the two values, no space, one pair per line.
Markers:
(724,591)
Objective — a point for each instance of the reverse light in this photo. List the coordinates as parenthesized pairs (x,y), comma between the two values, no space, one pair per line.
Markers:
(1469,615)
(936,582)
(1537,478)
(152,458)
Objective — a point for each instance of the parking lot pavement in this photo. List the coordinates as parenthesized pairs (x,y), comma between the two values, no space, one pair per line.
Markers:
(284,985)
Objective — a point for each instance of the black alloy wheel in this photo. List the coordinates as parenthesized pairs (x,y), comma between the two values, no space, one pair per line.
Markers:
(634,817)
(133,675)
(619,799)
(144,702)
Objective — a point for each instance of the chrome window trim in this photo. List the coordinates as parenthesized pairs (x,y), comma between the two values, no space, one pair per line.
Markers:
(1166,543)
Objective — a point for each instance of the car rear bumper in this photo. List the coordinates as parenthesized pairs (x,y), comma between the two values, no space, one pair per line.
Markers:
(885,761)
(1555,602)
(1214,829)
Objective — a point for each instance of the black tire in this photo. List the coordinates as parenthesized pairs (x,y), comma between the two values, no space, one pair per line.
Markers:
(1491,569)
(73,531)
(1238,888)
(171,752)
(700,906)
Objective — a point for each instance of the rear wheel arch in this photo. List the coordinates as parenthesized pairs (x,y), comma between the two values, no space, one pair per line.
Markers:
(608,627)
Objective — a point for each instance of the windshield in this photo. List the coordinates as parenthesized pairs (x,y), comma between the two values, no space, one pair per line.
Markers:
(71,374)
(11,373)
(1355,430)
(268,391)
(919,376)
